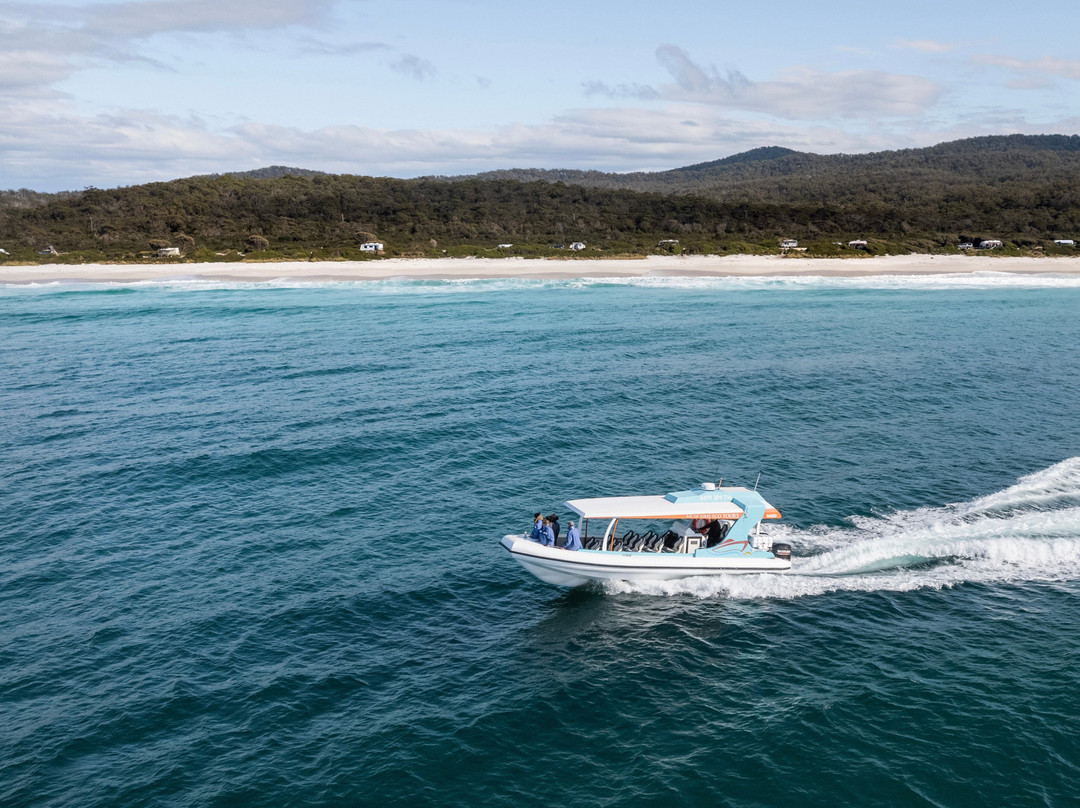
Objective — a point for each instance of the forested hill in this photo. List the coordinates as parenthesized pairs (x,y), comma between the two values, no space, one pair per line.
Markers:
(960,168)
(273,173)
(1022,190)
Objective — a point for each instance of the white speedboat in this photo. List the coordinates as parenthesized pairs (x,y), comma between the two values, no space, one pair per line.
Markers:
(708,530)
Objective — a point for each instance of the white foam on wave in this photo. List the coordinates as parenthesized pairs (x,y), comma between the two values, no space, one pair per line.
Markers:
(434,286)
(1057,485)
(1027,532)
(973,280)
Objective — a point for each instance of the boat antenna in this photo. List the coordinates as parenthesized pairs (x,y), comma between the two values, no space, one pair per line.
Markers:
(721,483)
(758,480)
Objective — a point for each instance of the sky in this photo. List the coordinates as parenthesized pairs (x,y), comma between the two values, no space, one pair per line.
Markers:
(108,94)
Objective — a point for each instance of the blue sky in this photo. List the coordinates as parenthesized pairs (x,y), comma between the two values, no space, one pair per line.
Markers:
(119,93)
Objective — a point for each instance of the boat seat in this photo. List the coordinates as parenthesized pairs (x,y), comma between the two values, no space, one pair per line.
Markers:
(670,539)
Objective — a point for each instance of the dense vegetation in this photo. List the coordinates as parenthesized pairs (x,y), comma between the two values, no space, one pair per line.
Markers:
(1023,190)
(976,169)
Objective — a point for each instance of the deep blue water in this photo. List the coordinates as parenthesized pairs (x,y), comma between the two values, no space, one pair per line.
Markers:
(250,544)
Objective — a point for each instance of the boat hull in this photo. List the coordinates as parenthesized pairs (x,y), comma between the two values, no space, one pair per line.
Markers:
(560,567)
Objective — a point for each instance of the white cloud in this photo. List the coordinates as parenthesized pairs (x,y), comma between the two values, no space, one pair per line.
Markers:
(1029,83)
(1062,68)
(38,50)
(414,67)
(139,18)
(799,92)
(42,44)
(925,45)
(642,92)
(30,72)
(309,46)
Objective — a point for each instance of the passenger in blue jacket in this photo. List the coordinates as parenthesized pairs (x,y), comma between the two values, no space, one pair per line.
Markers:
(547,535)
(537,529)
(573,537)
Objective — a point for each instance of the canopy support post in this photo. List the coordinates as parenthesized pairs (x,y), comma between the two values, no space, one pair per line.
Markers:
(609,535)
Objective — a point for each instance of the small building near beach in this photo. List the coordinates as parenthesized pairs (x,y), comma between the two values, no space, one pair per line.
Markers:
(577,246)
(169,252)
(372,246)
(857,244)
(789,244)
(1064,242)
(989,244)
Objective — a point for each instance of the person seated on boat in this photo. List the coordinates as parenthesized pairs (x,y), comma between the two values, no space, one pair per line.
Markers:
(553,520)
(547,535)
(537,528)
(699,526)
(573,537)
(716,532)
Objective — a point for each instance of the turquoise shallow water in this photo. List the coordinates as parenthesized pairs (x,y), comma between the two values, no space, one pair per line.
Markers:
(250,543)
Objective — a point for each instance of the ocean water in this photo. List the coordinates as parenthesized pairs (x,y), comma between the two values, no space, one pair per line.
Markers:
(250,550)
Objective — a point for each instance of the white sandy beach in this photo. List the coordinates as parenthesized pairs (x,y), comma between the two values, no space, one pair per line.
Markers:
(461,268)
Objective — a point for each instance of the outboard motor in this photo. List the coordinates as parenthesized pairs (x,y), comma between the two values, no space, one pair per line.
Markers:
(782,551)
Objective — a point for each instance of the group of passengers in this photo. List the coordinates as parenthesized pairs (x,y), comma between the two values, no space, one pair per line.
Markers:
(545,530)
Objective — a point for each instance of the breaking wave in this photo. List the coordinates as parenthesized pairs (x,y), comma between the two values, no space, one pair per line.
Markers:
(1029,532)
(428,286)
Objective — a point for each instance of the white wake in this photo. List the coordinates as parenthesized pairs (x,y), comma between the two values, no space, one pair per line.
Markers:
(1027,532)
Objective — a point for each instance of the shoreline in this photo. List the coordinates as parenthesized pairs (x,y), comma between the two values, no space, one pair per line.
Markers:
(540,268)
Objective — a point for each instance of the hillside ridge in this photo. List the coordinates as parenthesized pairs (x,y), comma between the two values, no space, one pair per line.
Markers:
(1021,189)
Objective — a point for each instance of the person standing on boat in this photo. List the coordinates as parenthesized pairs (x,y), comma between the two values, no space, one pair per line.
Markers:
(553,520)
(537,529)
(573,537)
(547,535)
